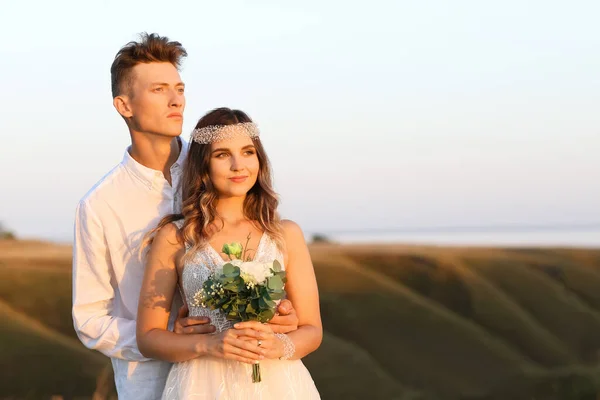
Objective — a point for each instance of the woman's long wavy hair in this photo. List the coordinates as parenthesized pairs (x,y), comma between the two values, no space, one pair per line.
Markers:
(199,212)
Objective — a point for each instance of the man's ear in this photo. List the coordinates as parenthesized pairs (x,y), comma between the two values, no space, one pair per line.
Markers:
(121,103)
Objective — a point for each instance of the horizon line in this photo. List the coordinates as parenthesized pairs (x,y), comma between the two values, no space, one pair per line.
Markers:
(464,228)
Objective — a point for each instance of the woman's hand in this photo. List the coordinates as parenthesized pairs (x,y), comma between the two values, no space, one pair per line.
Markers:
(235,344)
(263,338)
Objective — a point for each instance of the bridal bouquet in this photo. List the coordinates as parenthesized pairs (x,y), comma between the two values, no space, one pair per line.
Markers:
(243,290)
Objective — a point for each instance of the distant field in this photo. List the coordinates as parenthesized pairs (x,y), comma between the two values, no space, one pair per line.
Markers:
(401,322)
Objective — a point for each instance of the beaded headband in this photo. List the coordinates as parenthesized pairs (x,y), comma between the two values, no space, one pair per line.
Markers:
(215,133)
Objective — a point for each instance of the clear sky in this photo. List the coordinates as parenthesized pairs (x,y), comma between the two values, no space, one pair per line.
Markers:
(380,115)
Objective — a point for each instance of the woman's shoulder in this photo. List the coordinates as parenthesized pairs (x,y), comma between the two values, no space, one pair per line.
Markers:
(169,234)
(292,232)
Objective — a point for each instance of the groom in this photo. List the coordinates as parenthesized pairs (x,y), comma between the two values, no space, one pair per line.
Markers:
(127,202)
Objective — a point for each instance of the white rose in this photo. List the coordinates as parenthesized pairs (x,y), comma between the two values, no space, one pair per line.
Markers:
(259,271)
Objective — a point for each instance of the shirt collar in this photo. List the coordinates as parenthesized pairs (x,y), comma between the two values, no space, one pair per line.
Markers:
(148,175)
(182,154)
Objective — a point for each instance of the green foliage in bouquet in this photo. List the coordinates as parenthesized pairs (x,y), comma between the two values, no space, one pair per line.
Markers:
(238,295)
(244,291)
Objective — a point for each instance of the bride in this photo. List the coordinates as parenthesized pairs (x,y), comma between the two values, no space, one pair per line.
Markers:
(227,198)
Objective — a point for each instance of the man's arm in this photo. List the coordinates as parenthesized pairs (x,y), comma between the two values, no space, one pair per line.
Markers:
(93,292)
(286,319)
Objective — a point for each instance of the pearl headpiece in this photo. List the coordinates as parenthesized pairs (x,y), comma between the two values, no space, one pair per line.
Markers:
(215,133)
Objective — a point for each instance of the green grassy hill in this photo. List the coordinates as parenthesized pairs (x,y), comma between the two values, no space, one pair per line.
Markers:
(36,362)
(39,292)
(401,322)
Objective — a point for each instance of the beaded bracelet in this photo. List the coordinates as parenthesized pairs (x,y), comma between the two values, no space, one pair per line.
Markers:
(288,346)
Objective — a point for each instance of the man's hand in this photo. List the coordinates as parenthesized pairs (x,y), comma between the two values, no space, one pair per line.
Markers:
(185,324)
(286,319)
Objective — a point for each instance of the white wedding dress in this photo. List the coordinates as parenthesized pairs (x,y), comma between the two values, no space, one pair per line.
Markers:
(217,378)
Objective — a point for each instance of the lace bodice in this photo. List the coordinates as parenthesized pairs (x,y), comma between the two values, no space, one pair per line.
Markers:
(204,262)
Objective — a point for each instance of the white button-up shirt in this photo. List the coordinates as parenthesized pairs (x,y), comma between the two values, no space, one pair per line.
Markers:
(110,222)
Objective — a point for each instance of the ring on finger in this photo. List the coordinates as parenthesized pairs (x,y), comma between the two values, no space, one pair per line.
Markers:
(259,342)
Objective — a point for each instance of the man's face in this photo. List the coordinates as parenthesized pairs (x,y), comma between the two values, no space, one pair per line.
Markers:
(156,99)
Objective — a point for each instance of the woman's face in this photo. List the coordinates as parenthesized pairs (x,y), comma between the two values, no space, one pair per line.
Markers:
(234,166)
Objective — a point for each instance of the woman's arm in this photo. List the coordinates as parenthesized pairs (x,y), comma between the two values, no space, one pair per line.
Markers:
(158,287)
(303,292)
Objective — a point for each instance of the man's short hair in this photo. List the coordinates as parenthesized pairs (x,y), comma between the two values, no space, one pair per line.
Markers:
(150,48)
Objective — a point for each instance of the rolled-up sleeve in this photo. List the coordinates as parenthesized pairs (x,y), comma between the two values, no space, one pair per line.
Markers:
(94,292)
